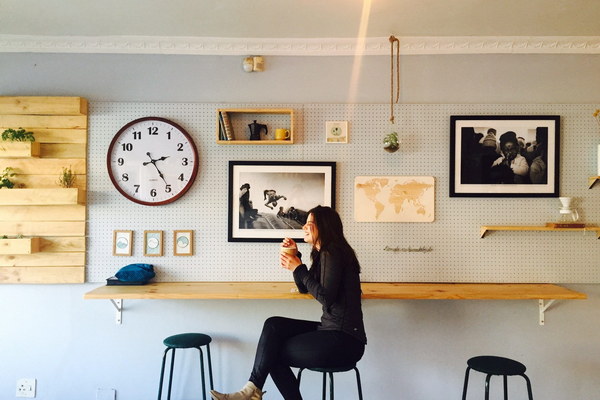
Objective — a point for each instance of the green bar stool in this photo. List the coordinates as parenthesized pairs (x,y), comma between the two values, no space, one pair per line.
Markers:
(186,341)
(493,365)
(330,372)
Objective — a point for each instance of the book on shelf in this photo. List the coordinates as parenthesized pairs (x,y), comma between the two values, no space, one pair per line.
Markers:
(227,125)
(222,135)
(564,225)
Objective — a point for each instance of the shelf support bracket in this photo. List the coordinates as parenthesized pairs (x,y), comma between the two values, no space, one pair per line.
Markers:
(543,307)
(118,303)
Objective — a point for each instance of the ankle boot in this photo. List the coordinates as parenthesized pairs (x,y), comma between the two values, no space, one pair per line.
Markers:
(248,392)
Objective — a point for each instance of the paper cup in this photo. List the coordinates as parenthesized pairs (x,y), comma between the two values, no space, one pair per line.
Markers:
(289,250)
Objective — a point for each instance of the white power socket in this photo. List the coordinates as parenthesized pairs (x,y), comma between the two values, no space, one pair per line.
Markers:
(26,387)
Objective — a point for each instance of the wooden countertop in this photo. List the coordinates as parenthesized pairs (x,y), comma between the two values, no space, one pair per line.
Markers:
(371,290)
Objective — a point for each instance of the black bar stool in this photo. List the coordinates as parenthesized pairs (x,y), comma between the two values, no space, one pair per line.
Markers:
(493,365)
(330,372)
(186,341)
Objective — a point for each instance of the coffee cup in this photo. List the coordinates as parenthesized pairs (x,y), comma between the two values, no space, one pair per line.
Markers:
(282,134)
(289,250)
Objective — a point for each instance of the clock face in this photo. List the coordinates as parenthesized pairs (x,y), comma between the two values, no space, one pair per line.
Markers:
(152,161)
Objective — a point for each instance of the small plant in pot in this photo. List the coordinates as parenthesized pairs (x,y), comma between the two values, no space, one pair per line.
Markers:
(391,143)
(5,176)
(19,135)
(67,178)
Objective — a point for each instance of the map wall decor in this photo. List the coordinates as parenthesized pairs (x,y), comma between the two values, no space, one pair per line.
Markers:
(394,198)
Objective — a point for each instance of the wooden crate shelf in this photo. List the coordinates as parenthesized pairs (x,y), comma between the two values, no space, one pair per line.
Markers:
(20,245)
(19,149)
(43,196)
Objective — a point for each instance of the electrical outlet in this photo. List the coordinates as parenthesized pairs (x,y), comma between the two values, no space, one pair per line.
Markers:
(26,387)
(106,394)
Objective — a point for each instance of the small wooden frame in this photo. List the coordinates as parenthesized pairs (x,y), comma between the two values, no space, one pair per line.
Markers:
(153,243)
(122,243)
(183,243)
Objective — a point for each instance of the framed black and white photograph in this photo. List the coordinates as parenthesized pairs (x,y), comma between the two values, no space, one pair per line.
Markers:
(269,200)
(504,156)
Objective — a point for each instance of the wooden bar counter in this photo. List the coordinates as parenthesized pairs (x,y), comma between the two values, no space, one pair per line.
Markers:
(371,290)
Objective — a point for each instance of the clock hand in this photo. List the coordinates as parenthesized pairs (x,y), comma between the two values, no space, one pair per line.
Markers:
(153,162)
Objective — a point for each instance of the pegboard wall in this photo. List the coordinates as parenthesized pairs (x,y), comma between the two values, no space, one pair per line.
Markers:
(456,251)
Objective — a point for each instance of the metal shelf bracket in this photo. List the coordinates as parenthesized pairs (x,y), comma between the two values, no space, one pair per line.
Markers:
(543,307)
(118,303)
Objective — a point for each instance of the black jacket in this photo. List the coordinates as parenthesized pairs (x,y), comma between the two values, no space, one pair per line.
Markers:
(333,280)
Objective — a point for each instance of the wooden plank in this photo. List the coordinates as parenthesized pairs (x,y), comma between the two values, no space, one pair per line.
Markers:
(44,166)
(57,135)
(62,244)
(43,259)
(42,213)
(44,228)
(44,275)
(33,122)
(63,150)
(19,149)
(371,290)
(19,246)
(44,196)
(45,181)
(43,105)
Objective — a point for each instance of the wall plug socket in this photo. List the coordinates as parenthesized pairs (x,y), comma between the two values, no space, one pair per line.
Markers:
(26,387)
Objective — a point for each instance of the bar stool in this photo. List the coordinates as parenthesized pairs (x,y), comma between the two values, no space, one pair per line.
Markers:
(493,365)
(186,341)
(330,372)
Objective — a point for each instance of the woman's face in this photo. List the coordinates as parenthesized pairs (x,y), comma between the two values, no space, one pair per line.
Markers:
(311,233)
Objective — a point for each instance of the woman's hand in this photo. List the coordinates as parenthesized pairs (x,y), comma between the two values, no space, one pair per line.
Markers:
(289,259)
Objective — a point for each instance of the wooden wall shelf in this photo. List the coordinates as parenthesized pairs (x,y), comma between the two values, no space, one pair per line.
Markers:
(42,196)
(239,118)
(371,290)
(487,228)
(19,149)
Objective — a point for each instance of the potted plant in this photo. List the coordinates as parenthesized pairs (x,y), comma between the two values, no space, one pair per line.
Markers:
(5,176)
(19,135)
(18,143)
(67,178)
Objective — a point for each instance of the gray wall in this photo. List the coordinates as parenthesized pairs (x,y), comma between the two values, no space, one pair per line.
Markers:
(417,349)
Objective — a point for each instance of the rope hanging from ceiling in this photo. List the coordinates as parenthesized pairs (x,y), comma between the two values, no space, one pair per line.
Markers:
(394,43)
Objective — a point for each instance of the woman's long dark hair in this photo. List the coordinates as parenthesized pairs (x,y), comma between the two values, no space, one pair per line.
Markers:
(330,233)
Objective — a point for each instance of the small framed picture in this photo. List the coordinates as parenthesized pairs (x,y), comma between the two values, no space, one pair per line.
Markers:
(153,243)
(336,131)
(183,243)
(122,243)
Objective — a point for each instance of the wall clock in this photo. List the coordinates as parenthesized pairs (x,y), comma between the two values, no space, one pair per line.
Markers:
(152,161)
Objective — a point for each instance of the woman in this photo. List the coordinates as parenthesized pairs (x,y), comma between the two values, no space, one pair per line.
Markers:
(338,339)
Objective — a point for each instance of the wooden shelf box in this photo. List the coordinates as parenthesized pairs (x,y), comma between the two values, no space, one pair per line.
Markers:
(20,245)
(19,149)
(58,196)
(237,120)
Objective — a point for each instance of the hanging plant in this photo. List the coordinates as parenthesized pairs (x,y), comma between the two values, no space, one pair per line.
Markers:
(390,141)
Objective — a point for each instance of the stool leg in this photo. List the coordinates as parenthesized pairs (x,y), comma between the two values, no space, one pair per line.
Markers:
(202,373)
(529,392)
(487,387)
(331,386)
(171,374)
(210,375)
(505,387)
(324,386)
(464,397)
(358,384)
(162,373)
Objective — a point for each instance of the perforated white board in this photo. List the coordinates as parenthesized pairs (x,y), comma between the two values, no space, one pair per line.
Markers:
(454,250)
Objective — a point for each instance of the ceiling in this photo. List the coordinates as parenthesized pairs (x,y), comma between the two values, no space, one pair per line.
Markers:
(300,18)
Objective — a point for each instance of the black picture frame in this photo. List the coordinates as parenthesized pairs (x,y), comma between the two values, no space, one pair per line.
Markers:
(269,200)
(484,164)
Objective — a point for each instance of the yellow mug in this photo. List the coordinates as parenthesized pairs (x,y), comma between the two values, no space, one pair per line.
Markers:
(282,134)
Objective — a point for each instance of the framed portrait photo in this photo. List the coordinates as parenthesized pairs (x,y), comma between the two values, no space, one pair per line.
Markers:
(183,243)
(504,156)
(270,200)
(153,243)
(122,243)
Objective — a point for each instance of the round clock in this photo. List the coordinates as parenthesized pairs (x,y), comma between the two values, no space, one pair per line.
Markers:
(152,161)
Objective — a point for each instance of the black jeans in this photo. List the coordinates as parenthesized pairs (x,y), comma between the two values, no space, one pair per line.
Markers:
(286,343)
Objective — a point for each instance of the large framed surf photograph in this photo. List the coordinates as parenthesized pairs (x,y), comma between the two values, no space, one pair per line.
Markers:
(270,200)
(504,156)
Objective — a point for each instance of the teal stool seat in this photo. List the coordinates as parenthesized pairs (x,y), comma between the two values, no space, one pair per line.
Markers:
(330,371)
(186,341)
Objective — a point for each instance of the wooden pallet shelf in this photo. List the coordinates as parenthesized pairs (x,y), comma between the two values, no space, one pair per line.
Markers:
(19,149)
(20,245)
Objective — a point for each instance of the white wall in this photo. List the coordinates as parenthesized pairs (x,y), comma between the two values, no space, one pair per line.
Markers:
(417,349)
